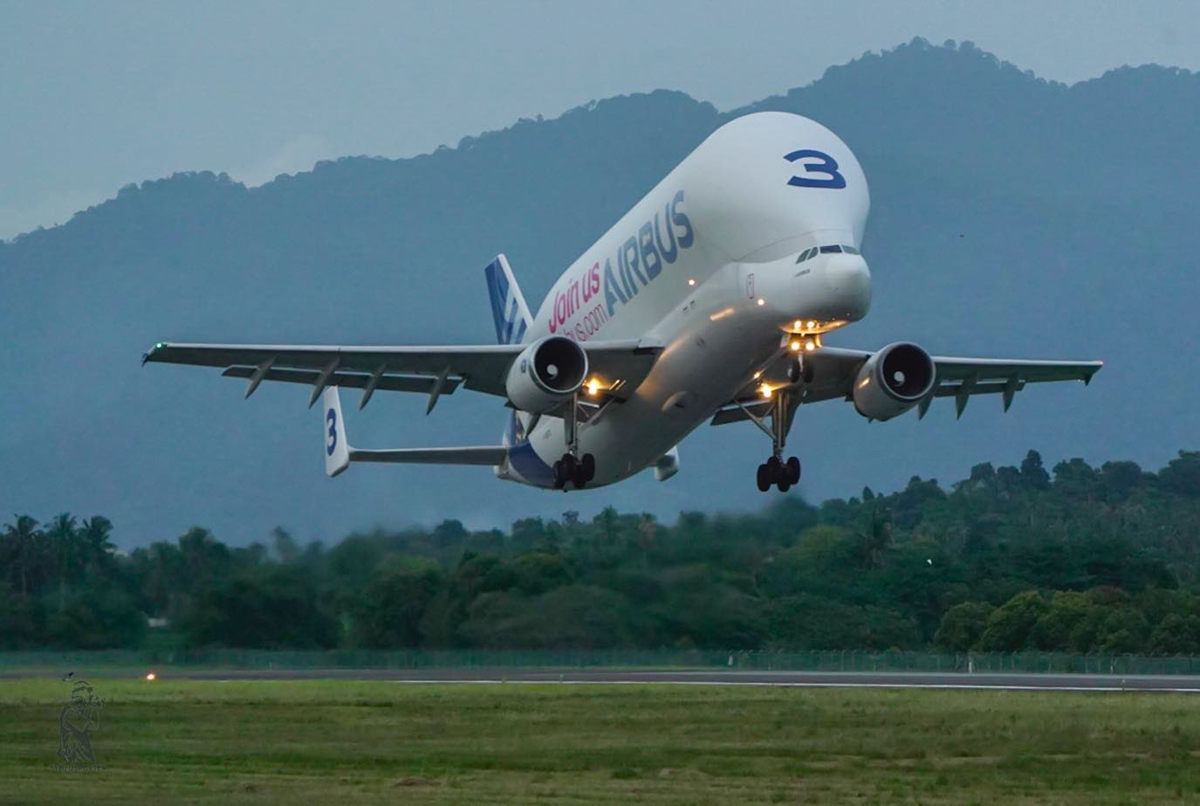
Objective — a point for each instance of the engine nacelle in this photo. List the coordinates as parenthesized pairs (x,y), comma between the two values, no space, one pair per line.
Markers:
(893,381)
(548,372)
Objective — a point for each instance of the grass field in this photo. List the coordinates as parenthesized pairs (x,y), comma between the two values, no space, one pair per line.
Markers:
(345,742)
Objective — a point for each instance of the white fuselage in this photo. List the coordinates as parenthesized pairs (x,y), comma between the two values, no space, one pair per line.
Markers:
(704,267)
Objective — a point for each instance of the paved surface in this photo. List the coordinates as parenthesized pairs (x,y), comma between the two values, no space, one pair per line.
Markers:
(720,677)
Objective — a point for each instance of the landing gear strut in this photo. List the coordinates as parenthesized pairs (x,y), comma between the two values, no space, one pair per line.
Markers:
(777,471)
(573,468)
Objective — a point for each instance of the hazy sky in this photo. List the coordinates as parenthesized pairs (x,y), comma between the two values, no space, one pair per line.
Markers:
(96,95)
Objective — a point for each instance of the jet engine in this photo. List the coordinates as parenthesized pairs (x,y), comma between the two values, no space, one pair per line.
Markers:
(548,372)
(893,380)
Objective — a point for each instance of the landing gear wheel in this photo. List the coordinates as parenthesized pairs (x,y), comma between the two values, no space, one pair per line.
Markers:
(792,466)
(763,478)
(560,478)
(773,466)
(588,465)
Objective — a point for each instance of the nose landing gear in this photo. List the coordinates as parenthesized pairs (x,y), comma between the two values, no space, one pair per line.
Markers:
(777,471)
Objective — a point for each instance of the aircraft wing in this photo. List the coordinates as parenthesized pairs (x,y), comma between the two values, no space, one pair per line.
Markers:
(834,370)
(431,370)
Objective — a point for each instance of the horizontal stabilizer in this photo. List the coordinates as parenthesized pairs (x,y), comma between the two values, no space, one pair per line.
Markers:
(486,455)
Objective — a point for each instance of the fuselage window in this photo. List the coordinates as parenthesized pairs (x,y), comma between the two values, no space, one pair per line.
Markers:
(825,250)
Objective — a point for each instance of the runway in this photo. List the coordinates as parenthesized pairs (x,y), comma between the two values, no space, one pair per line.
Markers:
(705,677)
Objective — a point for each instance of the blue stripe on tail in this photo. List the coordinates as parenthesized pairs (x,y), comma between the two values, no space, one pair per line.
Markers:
(509,311)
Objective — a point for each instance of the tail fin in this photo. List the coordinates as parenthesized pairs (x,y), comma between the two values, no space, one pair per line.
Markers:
(337,452)
(508,305)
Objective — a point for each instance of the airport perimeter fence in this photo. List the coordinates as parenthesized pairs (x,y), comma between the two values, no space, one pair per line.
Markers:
(757,660)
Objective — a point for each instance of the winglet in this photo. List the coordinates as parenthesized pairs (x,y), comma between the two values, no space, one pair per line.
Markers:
(337,451)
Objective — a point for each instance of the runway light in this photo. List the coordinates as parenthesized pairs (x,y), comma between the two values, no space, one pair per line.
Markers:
(762,301)
(151,676)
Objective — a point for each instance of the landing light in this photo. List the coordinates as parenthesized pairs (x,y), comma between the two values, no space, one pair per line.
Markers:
(151,676)
(796,346)
(810,345)
(762,301)
(765,390)
(691,281)
(811,324)
(593,387)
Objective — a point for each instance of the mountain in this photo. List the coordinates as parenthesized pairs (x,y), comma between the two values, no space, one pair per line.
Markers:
(1011,216)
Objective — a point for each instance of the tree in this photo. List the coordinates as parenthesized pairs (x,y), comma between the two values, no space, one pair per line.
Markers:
(1008,628)
(390,610)
(1182,474)
(1033,473)
(962,626)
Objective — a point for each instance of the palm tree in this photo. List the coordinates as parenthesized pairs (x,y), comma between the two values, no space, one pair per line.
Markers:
(64,540)
(22,538)
(94,536)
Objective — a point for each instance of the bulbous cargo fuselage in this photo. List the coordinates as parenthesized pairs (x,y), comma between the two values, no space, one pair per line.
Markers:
(754,235)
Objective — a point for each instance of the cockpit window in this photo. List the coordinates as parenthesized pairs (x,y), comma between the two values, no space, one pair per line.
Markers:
(849,250)
(825,250)
(806,254)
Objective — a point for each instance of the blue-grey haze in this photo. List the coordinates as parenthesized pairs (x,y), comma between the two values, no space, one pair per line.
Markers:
(1011,216)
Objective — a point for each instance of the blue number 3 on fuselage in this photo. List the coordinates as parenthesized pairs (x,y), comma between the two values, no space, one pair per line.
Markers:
(828,167)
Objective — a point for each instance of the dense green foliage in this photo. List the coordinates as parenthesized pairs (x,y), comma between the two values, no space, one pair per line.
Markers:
(1082,559)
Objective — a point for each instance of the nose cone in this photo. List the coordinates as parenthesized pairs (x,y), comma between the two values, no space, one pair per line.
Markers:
(849,282)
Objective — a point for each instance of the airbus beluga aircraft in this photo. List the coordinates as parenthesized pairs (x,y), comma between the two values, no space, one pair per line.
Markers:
(708,301)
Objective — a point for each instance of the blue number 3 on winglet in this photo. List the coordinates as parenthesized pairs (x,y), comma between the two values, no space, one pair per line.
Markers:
(331,418)
(827,170)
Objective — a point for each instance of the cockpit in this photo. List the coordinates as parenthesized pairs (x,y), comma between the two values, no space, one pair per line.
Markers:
(828,249)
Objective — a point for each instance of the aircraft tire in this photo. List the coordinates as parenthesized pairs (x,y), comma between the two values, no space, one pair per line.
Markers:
(588,464)
(763,479)
(792,466)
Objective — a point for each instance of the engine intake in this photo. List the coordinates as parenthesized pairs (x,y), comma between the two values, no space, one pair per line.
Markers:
(545,374)
(893,380)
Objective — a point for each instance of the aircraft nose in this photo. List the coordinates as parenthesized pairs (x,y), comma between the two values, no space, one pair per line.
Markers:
(849,280)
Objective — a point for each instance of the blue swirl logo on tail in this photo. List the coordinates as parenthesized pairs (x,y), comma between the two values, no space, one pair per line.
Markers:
(331,418)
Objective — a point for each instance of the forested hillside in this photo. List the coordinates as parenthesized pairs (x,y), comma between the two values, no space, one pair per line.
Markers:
(1078,558)
(1011,216)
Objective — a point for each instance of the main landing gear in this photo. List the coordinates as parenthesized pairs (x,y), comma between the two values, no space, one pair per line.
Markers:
(569,470)
(779,473)
(573,468)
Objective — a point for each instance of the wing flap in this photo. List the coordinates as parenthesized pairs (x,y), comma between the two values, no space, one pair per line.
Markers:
(478,367)
(356,380)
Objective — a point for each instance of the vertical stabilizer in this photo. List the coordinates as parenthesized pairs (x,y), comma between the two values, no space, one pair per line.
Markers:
(508,304)
(337,452)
